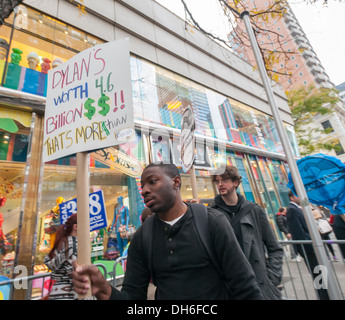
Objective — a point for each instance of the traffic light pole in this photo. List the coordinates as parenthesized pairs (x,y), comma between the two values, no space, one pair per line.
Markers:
(332,286)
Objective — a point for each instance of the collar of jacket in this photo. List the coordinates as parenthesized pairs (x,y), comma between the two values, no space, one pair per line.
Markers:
(219,202)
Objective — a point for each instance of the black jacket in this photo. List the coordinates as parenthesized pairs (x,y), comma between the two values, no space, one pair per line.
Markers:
(282,223)
(298,228)
(182,268)
(257,239)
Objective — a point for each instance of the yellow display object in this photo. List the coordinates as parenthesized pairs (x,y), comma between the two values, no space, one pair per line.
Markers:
(56,210)
(23,117)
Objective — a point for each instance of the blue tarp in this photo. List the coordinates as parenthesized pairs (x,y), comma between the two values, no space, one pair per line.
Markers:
(323,177)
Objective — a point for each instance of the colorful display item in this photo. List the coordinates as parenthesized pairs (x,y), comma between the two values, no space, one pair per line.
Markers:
(25,79)
(33,60)
(45,65)
(16,55)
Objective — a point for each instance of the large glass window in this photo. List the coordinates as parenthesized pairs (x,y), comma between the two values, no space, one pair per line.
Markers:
(280,178)
(236,159)
(38,43)
(14,140)
(116,172)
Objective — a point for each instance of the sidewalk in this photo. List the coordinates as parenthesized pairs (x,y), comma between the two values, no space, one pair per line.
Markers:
(297,281)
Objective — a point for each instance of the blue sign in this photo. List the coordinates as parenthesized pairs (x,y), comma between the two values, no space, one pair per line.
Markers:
(324,181)
(98,216)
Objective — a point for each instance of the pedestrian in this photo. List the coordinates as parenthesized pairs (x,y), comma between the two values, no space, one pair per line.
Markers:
(59,260)
(253,231)
(174,256)
(283,227)
(339,230)
(325,236)
(299,231)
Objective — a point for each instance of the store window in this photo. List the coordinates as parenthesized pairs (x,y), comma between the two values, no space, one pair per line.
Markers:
(14,141)
(264,194)
(38,43)
(270,186)
(279,176)
(160,96)
(163,96)
(116,173)
(205,189)
(236,159)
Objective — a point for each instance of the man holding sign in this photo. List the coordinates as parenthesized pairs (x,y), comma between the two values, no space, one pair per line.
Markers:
(178,264)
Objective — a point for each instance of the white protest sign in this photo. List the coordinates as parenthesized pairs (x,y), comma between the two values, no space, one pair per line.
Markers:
(89,102)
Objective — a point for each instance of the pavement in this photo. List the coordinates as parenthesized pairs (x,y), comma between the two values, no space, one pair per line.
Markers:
(298,283)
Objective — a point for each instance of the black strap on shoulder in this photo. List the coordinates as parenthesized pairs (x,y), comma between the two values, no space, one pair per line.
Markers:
(200,217)
(147,241)
(241,213)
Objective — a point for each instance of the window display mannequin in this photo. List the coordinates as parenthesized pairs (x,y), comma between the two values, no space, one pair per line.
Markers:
(121,217)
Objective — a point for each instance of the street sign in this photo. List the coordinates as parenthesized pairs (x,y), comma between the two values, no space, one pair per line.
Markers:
(98,216)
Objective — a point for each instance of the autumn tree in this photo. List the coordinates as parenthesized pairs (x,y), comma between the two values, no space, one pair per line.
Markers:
(262,16)
(306,103)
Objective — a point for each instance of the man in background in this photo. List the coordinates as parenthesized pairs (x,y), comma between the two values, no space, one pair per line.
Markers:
(299,231)
(253,232)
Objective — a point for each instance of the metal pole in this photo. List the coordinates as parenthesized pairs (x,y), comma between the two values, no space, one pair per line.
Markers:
(9,47)
(333,289)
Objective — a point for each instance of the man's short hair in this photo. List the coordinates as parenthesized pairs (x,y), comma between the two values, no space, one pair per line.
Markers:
(290,194)
(169,169)
(281,209)
(230,172)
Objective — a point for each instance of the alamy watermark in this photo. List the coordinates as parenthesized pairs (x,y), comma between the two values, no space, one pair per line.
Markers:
(321,279)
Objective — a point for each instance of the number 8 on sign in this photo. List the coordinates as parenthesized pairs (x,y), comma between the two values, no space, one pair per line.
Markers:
(94,205)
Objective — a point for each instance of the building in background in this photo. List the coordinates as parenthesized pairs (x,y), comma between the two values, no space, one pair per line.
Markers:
(301,65)
(170,70)
(341,88)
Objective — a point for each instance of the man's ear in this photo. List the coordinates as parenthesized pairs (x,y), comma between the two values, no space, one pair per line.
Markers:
(236,183)
(177,182)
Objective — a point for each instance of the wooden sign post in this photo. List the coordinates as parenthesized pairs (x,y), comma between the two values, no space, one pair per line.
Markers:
(89,107)
(83,231)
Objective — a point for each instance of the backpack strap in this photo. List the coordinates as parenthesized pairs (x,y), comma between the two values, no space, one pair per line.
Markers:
(200,218)
(147,241)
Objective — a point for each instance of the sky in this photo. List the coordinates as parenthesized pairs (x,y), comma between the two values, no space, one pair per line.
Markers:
(324,27)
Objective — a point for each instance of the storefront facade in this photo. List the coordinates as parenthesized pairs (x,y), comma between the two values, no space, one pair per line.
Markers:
(233,121)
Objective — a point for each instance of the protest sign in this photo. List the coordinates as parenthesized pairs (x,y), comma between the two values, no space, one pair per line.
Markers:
(88,107)
(89,102)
